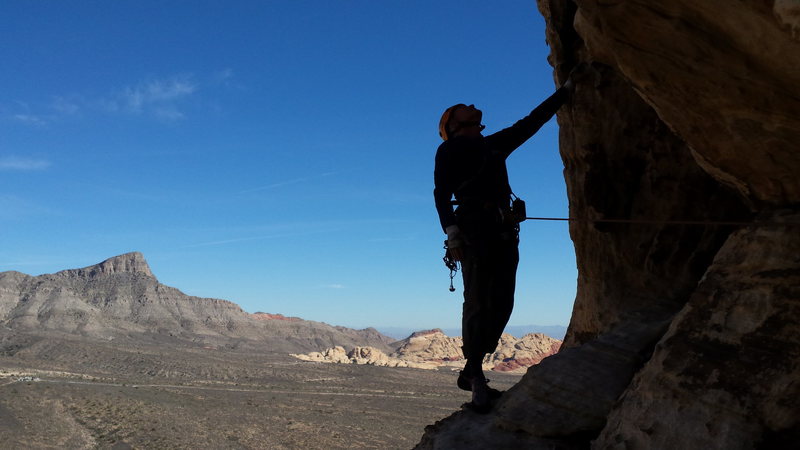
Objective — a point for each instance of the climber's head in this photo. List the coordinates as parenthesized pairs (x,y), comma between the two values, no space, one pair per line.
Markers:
(459,120)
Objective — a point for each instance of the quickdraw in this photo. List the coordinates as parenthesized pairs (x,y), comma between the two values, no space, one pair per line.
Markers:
(451,264)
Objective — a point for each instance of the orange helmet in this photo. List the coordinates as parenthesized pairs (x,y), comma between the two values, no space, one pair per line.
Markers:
(445,121)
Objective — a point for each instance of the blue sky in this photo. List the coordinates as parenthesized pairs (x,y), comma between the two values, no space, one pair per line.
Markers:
(278,154)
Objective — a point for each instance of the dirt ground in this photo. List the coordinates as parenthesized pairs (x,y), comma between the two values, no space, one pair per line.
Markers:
(95,395)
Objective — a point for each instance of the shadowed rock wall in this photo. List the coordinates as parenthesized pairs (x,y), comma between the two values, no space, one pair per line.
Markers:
(682,336)
(723,75)
(622,162)
(727,373)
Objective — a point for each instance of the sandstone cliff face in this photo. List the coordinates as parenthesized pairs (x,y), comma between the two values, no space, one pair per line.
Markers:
(682,336)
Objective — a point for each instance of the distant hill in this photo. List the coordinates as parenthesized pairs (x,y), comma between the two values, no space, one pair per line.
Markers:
(120,299)
(518,331)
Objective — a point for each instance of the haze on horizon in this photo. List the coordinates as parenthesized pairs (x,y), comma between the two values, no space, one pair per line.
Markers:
(278,155)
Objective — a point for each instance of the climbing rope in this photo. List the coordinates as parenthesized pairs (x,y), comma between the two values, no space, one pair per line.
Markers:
(454,266)
(667,222)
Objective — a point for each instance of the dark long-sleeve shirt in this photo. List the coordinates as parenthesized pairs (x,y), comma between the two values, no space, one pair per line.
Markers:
(474,168)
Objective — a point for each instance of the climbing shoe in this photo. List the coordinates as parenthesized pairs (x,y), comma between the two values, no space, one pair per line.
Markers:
(481,402)
(464,383)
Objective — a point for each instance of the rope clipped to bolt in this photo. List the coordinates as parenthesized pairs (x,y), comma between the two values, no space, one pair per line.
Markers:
(667,222)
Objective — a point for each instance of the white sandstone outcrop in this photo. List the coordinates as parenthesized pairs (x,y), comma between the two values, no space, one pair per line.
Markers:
(432,349)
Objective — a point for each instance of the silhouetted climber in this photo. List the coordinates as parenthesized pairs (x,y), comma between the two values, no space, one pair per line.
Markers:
(483,231)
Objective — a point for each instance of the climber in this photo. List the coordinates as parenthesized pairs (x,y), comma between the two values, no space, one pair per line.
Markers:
(483,231)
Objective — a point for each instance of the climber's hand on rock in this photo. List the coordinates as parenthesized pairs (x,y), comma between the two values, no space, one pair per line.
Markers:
(580,72)
(569,85)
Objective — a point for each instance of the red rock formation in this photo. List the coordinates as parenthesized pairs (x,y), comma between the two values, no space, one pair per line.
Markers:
(426,332)
(517,363)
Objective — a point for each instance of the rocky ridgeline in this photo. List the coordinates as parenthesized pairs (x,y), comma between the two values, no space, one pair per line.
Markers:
(432,349)
(128,263)
(120,299)
(267,316)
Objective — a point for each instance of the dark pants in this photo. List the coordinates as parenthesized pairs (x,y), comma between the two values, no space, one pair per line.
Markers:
(489,270)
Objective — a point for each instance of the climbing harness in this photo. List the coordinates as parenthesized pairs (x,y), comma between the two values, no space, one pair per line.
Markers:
(518,209)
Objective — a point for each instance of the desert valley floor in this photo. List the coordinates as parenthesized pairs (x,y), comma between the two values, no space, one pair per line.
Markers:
(64,393)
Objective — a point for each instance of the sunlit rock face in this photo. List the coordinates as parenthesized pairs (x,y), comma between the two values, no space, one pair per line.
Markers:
(682,336)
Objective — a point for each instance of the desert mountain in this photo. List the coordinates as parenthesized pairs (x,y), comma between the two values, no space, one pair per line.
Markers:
(432,349)
(120,298)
